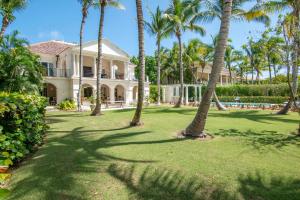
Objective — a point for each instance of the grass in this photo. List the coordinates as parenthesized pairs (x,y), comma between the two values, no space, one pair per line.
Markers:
(253,156)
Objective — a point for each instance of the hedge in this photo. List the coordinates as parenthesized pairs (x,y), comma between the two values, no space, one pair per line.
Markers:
(22,125)
(67,104)
(255,99)
(252,90)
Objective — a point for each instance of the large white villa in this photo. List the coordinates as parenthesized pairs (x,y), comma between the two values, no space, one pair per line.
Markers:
(61,62)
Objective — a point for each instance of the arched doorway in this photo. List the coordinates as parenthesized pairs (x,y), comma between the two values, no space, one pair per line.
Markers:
(119,93)
(50,92)
(104,93)
(135,93)
(87,93)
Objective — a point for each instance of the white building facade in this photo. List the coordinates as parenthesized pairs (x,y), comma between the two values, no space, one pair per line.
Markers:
(61,76)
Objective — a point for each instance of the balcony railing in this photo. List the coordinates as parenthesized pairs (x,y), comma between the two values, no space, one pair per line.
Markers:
(57,72)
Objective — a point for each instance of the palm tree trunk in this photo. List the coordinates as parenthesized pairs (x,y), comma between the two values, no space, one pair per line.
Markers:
(201,76)
(4,26)
(158,71)
(84,15)
(274,69)
(97,110)
(196,128)
(230,74)
(136,121)
(219,105)
(270,74)
(252,75)
(180,100)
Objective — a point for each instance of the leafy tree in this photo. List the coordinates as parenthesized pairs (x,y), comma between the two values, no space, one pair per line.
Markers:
(7,9)
(20,70)
(102,4)
(183,15)
(150,67)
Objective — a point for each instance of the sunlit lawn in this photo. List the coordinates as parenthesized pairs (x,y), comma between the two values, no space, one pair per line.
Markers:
(253,156)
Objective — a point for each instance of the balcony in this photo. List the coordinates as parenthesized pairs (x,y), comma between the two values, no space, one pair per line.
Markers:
(56,72)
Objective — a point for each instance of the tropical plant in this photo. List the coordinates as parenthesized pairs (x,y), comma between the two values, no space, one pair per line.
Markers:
(196,128)
(7,9)
(85,5)
(136,121)
(272,49)
(101,5)
(158,27)
(183,15)
(20,70)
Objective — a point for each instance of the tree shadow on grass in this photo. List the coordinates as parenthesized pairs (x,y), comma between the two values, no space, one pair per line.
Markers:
(253,115)
(182,111)
(55,167)
(261,139)
(259,187)
(157,184)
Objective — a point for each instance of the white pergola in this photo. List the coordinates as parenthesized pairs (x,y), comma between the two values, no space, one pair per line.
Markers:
(170,93)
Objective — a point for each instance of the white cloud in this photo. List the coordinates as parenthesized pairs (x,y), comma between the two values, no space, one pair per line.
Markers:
(52,35)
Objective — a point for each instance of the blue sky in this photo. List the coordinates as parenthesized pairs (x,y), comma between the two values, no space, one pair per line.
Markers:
(60,19)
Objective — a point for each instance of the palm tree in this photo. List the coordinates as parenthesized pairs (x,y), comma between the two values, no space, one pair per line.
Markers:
(182,15)
(7,9)
(292,20)
(85,5)
(196,128)
(272,46)
(291,56)
(102,4)
(158,27)
(136,121)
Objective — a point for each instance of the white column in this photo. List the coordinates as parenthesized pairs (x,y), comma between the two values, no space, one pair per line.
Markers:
(196,95)
(74,65)
(200,95)
(77,66)
(112,70)
(95,67)
(221,79)
(129,95)
(126,77)
(163,94)
(112,94)
(186,95)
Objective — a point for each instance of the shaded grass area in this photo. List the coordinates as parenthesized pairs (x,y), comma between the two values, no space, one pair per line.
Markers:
(253,156)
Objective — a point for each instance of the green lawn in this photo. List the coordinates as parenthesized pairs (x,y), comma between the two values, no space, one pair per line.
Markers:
(253,156)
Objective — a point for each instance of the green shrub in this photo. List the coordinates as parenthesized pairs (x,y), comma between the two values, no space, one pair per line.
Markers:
(22,125)
(252,90)
(153,94)
(255,99)
(67,104)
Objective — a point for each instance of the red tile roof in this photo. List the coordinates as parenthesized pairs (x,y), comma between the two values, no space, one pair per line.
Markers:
(51,47)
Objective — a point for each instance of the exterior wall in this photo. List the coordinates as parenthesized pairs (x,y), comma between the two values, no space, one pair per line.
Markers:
(66,77)
(63,87)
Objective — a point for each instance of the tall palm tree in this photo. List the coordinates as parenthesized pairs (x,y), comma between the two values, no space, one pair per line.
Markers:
(183,15)
(7,9)
(85,5)
(196,128)
(158,27)
(101,4)
(293,21)
(136,121)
